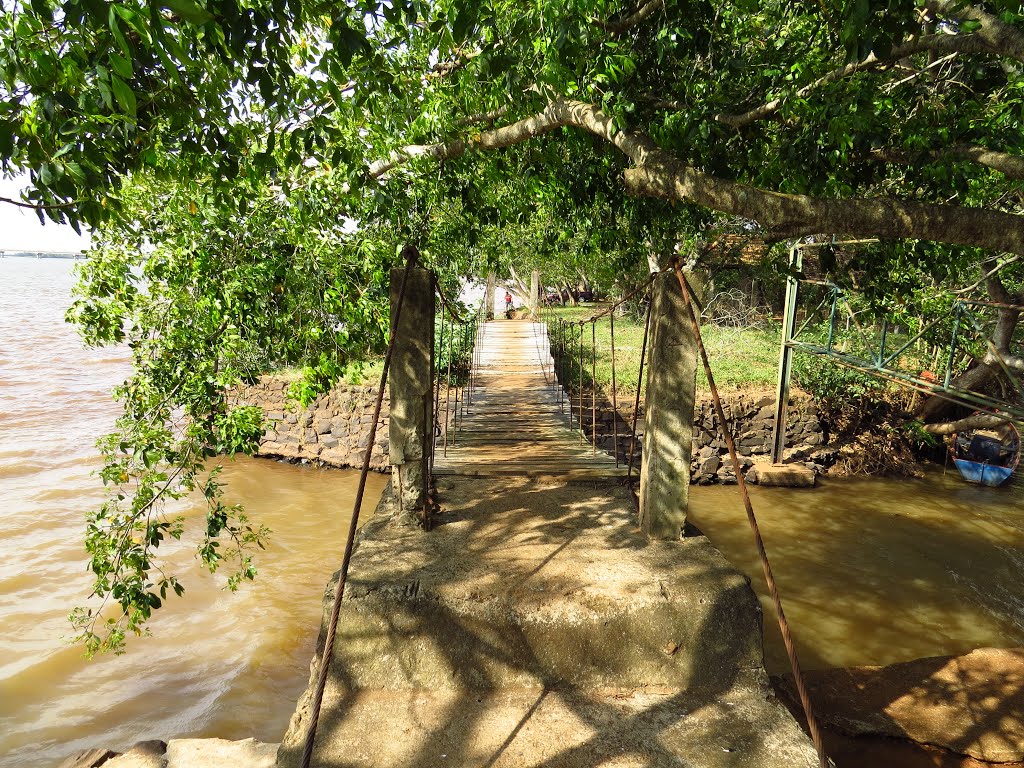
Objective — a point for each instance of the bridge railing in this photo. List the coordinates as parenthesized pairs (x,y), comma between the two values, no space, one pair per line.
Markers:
(909,354)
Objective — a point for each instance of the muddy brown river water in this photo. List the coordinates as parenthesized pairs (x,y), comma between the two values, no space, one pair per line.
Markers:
(218,663)
(875,571)
(871,571)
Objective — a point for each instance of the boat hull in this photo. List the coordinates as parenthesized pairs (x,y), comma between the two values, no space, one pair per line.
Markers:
(983,474)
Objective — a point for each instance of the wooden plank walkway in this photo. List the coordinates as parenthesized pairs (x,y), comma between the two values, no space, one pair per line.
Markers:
(514,425)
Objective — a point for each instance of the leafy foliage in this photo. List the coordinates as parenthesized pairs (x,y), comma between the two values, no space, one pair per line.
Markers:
(224,151)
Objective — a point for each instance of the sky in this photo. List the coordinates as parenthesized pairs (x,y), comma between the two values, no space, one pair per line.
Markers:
(20,229)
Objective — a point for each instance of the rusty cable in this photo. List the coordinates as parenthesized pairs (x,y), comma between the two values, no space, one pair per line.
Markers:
(579,391)
(787,638)
(623,300)
(615,398)
(437,392)
(448,387)
(636,402)
(332,628)
(593,384)
(456,316)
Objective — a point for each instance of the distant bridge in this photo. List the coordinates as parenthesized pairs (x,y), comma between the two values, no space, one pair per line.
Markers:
(38,254)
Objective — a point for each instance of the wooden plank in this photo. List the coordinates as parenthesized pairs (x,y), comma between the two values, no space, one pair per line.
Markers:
(516,421)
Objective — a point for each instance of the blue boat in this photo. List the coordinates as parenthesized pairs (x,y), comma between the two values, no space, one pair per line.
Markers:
(987,456)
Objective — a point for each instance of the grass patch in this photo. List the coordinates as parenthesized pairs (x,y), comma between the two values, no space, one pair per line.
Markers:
(742,359)
(362,374)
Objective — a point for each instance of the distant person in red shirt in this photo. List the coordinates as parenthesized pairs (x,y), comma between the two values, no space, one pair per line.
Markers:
(508,301)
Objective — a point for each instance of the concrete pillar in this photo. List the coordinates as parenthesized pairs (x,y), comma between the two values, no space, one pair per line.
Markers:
(535,291)
(668,411)
(489,296)
(410,383)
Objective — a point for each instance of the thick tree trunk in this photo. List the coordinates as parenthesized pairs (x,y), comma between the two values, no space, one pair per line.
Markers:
(519,287)
(570,296)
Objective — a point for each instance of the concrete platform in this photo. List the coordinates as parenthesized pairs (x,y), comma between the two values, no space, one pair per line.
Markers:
(535,626)
(785,475)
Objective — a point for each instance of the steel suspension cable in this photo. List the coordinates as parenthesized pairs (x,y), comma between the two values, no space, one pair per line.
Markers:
(332,627)
(787,638)
(448,386)
(448,304)
(439,346)
(612,307)
(593,384)
(579,391)
(615,398)
(636,402)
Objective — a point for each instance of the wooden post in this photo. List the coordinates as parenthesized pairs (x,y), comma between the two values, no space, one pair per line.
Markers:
(668,411)
(410,383)
(535,292)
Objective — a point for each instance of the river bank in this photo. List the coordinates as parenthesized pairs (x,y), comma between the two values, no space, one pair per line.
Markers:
(334,429)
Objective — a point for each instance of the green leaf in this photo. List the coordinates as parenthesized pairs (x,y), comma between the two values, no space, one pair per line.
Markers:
(190,11)
(348,42)
(122,66)
(115,29)
(124,94)
(463,22)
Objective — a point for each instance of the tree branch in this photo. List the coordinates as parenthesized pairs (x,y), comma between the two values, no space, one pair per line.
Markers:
(461,57)
(482,117)
(1010,165)
(1002,38)
(657,173)
(979,421)
(940,43)
(620,27)
(38,206)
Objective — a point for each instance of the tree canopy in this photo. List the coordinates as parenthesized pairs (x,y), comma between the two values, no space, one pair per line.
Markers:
(253,166)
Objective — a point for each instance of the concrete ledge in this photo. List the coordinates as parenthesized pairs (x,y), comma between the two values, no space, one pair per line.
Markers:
(534,727)
(785,475)
(448,641)
(501,595)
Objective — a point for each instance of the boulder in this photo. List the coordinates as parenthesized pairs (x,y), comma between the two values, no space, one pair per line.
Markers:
(88,758)
(145,754)
(972,704)
(220,753)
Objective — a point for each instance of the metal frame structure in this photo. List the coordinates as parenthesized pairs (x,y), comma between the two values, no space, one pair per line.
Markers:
(881,362)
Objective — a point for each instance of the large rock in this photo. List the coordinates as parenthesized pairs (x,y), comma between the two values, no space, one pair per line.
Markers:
(220,753)
(972,705)
(88,758)
(785,475)
(145,754)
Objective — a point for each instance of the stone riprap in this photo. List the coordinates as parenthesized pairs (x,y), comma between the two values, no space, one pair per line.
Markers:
(334,429)
(180,753)
(751,418)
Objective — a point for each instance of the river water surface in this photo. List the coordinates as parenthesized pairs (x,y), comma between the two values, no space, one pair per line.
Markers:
(219,663)
(876,571)
(871,571)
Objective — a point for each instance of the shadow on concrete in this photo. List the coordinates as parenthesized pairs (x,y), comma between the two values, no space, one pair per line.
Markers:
(537,627)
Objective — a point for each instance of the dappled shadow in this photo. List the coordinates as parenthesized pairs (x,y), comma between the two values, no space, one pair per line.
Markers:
(882,571)
(969,705)
(537,627)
